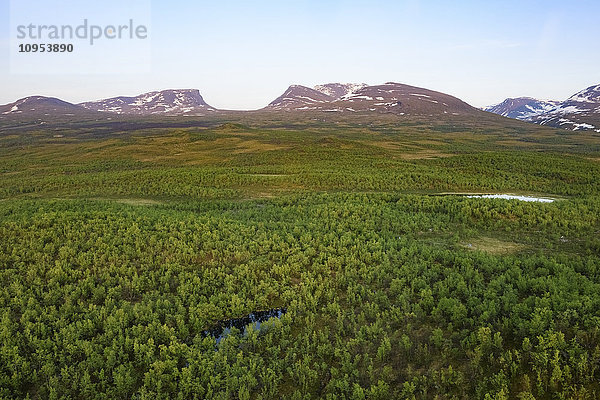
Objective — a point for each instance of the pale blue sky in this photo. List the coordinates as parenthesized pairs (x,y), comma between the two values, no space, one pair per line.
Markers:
(243,54)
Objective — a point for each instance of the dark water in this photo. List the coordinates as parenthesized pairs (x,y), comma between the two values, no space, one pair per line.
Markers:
(223,328)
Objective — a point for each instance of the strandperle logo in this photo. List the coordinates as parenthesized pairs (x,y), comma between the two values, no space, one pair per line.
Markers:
(80,37)
(84,31)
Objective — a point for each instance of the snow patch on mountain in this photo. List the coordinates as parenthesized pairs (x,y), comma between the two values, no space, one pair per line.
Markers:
(339,90)
(589,95)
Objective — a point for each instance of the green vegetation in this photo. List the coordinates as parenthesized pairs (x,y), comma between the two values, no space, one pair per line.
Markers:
(118,251)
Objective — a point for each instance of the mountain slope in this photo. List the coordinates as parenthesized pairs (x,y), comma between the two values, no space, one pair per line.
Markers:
(41,105)
(402,99)
(523,108)
(580,111)
(170,102)
(298,97)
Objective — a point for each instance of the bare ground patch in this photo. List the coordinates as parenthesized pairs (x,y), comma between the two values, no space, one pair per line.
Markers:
(132,201)
(493,246)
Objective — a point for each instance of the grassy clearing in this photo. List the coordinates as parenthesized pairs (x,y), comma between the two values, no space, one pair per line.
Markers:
(493,246)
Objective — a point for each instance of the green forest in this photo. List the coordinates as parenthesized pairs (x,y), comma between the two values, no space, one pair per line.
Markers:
(118,251)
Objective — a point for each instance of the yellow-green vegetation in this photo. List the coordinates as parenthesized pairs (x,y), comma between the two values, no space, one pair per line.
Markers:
(120,243)
(494,245)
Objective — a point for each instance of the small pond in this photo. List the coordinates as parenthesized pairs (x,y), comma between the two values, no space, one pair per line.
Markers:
(255,319)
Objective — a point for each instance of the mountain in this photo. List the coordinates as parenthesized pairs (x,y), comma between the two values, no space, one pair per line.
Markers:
(390,97)
(580,111)
(298,97)
(169,102)
(523,108)
(41,105)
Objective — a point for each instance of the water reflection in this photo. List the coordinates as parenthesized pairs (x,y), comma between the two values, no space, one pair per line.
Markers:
(254,319)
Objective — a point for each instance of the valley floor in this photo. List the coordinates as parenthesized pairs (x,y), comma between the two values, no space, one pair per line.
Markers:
(118,252)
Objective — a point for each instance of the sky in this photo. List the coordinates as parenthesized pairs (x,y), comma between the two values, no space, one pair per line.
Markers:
(244,54)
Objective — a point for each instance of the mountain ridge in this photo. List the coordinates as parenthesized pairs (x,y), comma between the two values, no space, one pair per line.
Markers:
(390,97)
(169,102)
(581,111)
(523,108)
(40,105)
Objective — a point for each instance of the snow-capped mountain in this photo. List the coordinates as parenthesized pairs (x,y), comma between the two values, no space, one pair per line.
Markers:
(523,108)
(579,112)
(170,102)
(41,105)
(390,97)
(591,95)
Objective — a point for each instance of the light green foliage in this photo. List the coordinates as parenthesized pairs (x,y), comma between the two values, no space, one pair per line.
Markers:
(112,266)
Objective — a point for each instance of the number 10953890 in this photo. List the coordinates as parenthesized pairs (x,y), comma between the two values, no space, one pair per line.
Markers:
(45,48)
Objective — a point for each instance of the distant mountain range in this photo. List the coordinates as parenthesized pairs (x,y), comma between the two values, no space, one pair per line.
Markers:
(395,98)
(579,112)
